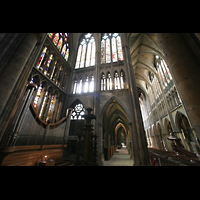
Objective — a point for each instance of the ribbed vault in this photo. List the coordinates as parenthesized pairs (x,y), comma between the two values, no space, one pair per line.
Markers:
(143,48)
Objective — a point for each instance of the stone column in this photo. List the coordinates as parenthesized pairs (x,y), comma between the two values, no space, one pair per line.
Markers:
(14,67)
(184,66)
(138,138)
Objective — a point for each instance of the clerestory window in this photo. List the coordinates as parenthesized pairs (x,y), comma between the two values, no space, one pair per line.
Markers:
(111,48)
(86,52)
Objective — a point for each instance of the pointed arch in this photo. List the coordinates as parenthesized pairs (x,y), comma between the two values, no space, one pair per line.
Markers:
(121,103)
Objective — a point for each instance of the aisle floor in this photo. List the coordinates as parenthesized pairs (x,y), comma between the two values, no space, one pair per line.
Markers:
(120,158)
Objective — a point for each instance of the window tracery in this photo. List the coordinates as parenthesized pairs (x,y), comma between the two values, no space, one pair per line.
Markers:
(86,52)
(163,71)
(83,85)
(78,112)
(111,48)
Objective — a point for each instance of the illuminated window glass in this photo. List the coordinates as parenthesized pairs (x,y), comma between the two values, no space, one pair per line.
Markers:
(78,112)
(46,72)
(41,57)
(37,96)
(61,40)
(103,82)
(109,81)
(43,104)
(111,43)
(55,39)
(91,86)
(114,49)
(50,107)
(86,52)
(117,82)
(108,50)
(103,51)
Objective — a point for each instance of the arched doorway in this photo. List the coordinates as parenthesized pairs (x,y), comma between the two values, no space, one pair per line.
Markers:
(168,129)
(161,140)
(186,133)
(115,128)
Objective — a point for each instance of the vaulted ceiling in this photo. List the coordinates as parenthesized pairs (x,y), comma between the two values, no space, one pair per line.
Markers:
(143,48)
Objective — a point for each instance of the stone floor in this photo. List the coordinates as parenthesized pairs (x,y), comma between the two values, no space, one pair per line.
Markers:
(120,158)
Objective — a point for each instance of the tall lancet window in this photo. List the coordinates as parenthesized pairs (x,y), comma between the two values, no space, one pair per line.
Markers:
(111,48)
(103,82)
(117,81)
(86,52)
(109,81)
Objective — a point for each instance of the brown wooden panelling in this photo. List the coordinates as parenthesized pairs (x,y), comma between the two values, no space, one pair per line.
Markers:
(30,155)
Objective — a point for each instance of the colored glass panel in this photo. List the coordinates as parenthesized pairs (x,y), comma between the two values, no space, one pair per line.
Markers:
(37,96)
(67,54)
(43,104)
(41,57)
(48,64)
(119,48)
(108,50)
(93,54)
(63,50)
(55,39)
(78,57)
(60,44)
(103,51)
(83,56)
(114,49)
(88,54)
(50,35)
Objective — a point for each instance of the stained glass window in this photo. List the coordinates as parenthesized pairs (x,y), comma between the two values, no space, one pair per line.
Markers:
(119,48)
(86,85)
(114,49)
(78,57)
(108,50)
(93,54)
(50,107)
(122,79)
(91,89)
(37,96)
(117,83)
(111,45)
(103,81)
(50,35)
(53,74)
(41,57)
(60,44)
(88,55)
(109,81)
(75,85)
(55,39)
(61,40)
(78,112)
(43,104)
(103,51)
(163,71)
(86,52)
(83,56)
(48,65)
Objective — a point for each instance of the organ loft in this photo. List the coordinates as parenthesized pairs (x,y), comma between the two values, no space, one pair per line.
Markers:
(99,99)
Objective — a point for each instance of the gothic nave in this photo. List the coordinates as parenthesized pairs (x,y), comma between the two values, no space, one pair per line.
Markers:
(97,99)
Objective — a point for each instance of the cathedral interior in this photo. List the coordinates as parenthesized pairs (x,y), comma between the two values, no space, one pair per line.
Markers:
(99,99)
